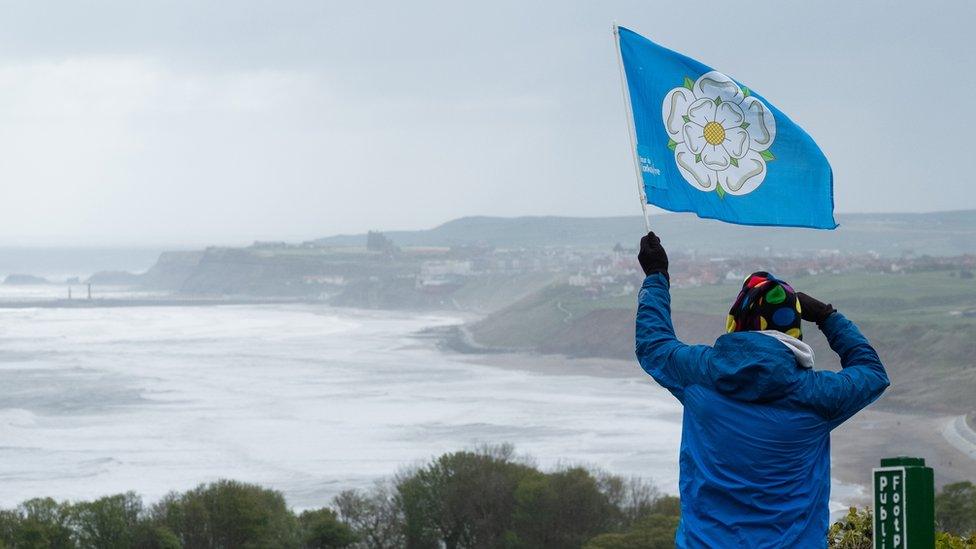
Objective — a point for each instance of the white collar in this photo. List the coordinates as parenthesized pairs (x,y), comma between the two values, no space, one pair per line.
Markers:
(802,351)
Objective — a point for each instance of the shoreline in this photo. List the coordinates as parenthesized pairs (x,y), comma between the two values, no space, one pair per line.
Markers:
(857,446)
(95,303)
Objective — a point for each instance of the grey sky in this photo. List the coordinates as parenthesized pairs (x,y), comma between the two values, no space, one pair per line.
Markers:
(222,122)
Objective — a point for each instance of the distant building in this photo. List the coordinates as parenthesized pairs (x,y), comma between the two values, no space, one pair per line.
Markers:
(447,267)
(443,275)
(378,242)
(332,280)
(733,276)
(579,280)
(269,245)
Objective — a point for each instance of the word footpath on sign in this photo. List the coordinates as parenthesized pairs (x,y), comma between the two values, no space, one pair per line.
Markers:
(904,504)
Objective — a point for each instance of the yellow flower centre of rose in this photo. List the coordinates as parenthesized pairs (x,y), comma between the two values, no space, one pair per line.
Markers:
(714,133)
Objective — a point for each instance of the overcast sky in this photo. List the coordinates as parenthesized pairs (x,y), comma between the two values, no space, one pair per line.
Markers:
(187,123)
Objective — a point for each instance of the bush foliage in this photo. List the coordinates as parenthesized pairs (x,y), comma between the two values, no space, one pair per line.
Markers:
(854,530)
(487,498)
(484,498)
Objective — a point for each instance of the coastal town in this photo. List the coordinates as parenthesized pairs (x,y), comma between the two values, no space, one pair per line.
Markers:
(362,275)
(439,271)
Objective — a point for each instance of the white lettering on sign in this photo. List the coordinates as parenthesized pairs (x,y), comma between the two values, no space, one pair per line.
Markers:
(889,502)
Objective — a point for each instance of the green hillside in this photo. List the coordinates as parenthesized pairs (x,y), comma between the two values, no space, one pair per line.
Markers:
(940,233)
(922,324)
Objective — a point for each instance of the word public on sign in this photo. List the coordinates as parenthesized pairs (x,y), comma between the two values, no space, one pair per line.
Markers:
(890,528)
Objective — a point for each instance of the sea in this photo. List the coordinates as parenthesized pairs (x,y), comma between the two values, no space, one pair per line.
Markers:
(303,398)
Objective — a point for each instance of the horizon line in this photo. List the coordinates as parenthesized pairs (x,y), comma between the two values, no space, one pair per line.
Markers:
(106,243)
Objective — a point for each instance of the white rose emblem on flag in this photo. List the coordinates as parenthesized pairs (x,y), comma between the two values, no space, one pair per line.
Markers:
(720,134)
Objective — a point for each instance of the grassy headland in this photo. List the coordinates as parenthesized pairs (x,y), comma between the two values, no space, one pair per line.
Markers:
(923,325)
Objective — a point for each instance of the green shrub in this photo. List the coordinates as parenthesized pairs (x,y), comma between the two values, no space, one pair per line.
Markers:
(40,523)
(945,540)
(150,536)
(655,530)
(561,509)
(227,513)
(322,529)
(854,532)
(955,508)
(460,500)
(110,522)
(463,499)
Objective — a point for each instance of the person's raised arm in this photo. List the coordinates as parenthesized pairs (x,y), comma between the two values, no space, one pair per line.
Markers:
(840,395)
(671,363)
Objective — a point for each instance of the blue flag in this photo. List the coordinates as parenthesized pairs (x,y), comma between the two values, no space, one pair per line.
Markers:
(709,145)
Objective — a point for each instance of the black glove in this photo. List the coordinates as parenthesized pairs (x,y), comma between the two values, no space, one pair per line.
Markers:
(652,257)
(813,310)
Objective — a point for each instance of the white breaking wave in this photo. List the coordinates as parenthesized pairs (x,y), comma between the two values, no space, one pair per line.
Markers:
(304,399)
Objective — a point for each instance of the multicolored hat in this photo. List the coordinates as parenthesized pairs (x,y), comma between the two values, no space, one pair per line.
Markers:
(765,303)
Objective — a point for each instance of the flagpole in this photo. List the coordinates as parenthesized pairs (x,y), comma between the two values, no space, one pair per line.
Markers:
(629,115)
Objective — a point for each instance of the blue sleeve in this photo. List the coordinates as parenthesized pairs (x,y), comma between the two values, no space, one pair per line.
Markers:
(839,395)
(670,362)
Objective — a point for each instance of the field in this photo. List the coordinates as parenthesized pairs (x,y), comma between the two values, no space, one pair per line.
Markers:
(922,324)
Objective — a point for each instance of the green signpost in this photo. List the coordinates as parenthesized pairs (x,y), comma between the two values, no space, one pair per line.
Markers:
(904,504)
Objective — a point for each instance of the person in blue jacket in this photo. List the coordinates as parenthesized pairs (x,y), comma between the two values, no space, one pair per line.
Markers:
(755,444)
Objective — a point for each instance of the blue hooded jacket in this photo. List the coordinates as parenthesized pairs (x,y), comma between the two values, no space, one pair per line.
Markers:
(755,444)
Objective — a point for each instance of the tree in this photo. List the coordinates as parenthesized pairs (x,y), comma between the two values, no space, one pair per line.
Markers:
(668,506)
(107,523)
(227,513)
(322,529)
(9,526)
(651,532)
(463,499)
(633,497)
(562,509)
(37,523)
(375,516)
(655,529)
(486,498)
(150,536)
(955,508)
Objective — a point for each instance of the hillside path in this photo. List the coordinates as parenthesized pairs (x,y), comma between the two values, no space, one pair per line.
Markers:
(959,434)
